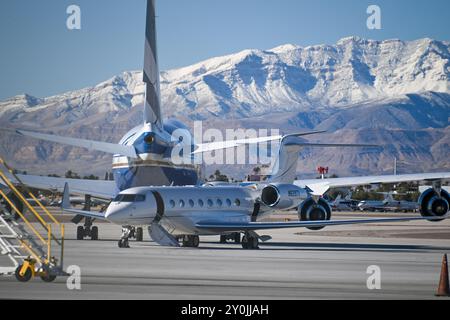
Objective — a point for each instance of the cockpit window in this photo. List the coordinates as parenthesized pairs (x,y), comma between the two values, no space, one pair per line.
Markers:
(140,198)
(130,198)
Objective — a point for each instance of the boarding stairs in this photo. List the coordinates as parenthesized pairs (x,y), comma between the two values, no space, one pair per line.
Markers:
(32,242)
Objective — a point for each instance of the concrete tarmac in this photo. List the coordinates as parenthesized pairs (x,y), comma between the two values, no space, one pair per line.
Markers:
(296,264)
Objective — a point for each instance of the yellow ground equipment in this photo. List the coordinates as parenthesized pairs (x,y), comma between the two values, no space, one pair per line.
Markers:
(34,241)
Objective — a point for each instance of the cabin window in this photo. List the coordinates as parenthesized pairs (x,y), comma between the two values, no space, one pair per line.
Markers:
(237,203)
(191,203)
(172,203)
(228,201)
(182,204)
(210,203)
(201,203)
(219,203)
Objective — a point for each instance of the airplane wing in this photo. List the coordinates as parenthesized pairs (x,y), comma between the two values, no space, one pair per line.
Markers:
(242,227)
(87,214)
(319,187)
(215,146)
(112,148)
(95,188)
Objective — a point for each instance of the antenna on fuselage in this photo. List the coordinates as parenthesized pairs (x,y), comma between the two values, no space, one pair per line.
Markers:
(152,103)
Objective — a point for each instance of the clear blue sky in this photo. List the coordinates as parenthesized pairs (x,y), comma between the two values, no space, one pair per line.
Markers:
(39,56)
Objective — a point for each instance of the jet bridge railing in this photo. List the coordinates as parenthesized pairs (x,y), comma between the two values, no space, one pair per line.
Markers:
(44,250)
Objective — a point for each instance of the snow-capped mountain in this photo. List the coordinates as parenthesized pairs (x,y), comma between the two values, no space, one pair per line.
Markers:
(289,77)
(348,87)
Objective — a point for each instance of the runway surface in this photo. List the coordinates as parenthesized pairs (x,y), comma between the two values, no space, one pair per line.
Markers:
(296,264)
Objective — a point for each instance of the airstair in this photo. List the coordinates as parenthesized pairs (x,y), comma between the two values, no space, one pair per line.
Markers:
(32,242)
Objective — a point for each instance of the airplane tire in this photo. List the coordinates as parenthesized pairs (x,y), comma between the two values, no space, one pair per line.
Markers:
(26,277)
(122,244)
(47,277)
(191,241)
(223,239)
(80,233)
(139,235)
(237,238)
(94,233)
(253,243)
(195,241)
(244,242)
(250,243)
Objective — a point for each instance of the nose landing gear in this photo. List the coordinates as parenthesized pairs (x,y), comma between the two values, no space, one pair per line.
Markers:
(130,232)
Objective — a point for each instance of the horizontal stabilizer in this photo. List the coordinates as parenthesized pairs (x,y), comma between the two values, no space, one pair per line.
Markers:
(215,146)
(112,148)
(65,206)
(337,145)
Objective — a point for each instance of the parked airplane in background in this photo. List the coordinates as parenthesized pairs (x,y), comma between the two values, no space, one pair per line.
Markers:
(388,204)
(347,204)
(143,158)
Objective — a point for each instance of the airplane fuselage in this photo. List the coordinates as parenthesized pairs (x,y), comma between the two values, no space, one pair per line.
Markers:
(180,208)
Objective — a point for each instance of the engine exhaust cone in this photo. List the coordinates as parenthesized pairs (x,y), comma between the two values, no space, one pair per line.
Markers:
(444,288)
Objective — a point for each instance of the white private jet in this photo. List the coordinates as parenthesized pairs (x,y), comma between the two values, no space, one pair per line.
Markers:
(192,211)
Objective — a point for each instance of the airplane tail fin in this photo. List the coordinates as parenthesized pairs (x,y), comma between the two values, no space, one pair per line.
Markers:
(285,168)
(152,104)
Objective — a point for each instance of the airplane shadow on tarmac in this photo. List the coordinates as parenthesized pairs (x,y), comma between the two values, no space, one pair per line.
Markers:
(300,246)
(341,247)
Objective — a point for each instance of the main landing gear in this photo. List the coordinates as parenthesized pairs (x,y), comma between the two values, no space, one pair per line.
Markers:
(250,241)
(87,231)
(191,241)
(130,232)
(236,237)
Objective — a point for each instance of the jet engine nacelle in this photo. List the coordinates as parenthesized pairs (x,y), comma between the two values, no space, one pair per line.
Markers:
(283,196)
(433,205)
(310,210)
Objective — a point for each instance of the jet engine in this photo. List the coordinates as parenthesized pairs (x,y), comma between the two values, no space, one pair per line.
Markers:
(283,196)
(433,205)
(310,210)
